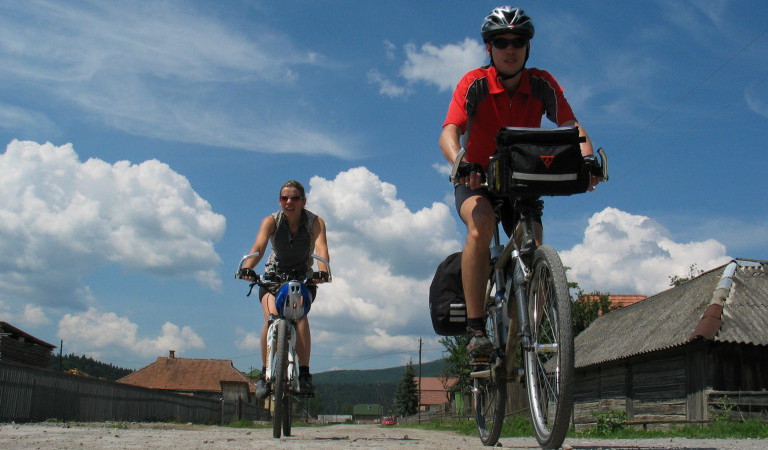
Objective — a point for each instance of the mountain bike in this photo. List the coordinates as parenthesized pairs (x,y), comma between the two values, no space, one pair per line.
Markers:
(528,306)
(293,301)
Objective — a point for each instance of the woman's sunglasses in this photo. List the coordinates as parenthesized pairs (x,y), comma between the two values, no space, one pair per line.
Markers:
(501,43)
(285,198)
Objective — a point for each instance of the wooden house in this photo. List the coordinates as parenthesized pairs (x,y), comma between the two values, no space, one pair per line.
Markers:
(433,392)
(211,378)
(684,355)
(367,413)
(21,347)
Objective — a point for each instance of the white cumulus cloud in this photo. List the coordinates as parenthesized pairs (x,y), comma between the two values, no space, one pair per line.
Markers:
(95,332)
(442,65)
(439,65)
(622,253)
(67,217)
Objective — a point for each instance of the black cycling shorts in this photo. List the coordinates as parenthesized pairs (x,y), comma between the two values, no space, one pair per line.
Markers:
(508,214)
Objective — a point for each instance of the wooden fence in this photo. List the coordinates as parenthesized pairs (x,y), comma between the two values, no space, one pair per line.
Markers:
(30,394)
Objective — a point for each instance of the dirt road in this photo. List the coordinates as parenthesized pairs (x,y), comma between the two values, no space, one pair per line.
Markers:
(188,437)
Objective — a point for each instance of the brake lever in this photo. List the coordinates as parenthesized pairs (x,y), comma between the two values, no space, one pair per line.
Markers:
(456,164)
(603,162)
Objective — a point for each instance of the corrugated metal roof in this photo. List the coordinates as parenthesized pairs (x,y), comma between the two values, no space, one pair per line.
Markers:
(670,318)
(745,315)
(7,328)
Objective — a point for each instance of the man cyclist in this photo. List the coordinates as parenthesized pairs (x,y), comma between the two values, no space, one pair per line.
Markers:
(501,94)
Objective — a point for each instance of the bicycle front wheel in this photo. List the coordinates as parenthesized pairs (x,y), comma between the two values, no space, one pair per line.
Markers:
(549,372)
(280,383)
(490,386)
(287,414)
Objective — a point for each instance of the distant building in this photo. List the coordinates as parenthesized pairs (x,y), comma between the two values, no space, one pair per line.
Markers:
(621,300)
(211,378)
(684,355)
(367,413)
(333,418)
(433,392)
(18,346)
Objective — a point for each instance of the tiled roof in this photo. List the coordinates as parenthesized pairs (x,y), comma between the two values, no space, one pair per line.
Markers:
(433,392)
(625,300)
(186,375)
(435,383)
(719,305)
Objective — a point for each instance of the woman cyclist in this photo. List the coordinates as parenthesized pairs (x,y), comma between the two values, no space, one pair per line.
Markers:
(294,233)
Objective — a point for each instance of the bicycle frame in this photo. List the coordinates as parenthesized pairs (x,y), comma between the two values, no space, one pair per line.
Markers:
(515,285)
(533,275)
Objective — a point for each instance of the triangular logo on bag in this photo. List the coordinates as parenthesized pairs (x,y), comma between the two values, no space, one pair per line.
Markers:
(547,160)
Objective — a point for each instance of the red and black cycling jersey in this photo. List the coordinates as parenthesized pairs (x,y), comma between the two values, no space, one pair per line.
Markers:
(480,106)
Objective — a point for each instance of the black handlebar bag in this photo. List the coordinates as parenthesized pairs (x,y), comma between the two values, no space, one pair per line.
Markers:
(538,161)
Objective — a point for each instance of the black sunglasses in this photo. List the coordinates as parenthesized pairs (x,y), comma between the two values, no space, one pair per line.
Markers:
(501,43)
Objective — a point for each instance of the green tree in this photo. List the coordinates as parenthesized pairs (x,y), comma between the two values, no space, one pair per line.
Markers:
(407,395)
(693,272)
(92,367)
(456,364)
(588,307)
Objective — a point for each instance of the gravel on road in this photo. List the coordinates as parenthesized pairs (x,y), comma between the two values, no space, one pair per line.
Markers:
(50,435)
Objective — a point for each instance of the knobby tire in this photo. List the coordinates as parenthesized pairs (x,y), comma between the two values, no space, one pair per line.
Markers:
(287,413)
(280,383)
(549,361)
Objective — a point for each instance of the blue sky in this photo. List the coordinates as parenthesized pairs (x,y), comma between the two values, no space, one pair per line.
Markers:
(145,141)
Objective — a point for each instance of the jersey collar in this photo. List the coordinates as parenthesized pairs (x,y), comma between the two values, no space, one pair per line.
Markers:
(495,87)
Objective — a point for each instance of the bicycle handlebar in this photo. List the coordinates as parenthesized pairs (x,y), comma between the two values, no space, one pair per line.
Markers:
(258,279)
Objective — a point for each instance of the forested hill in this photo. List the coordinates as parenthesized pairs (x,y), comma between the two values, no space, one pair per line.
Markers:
(391,375)
(88,366)
(337,391)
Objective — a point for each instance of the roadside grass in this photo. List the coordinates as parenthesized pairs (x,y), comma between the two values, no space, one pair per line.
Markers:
(521,427)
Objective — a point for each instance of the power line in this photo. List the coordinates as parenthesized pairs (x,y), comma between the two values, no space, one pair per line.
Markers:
(697,86)
(679,136)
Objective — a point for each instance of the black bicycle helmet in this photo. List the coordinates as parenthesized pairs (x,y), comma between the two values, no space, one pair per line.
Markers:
(507,19)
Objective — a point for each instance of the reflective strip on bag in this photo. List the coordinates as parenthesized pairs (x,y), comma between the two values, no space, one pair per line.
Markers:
(543,177)
(458,313)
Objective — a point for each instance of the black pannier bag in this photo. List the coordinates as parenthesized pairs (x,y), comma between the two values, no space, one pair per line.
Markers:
(447,306)
(538,161)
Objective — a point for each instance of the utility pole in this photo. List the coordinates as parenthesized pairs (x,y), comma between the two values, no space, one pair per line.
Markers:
(419,398)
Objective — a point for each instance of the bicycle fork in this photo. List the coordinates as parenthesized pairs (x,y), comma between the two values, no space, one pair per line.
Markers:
(291,366)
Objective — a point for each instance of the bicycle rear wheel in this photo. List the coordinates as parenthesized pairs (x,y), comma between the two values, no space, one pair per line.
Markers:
(280,383)
(489,387)
(549,359)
